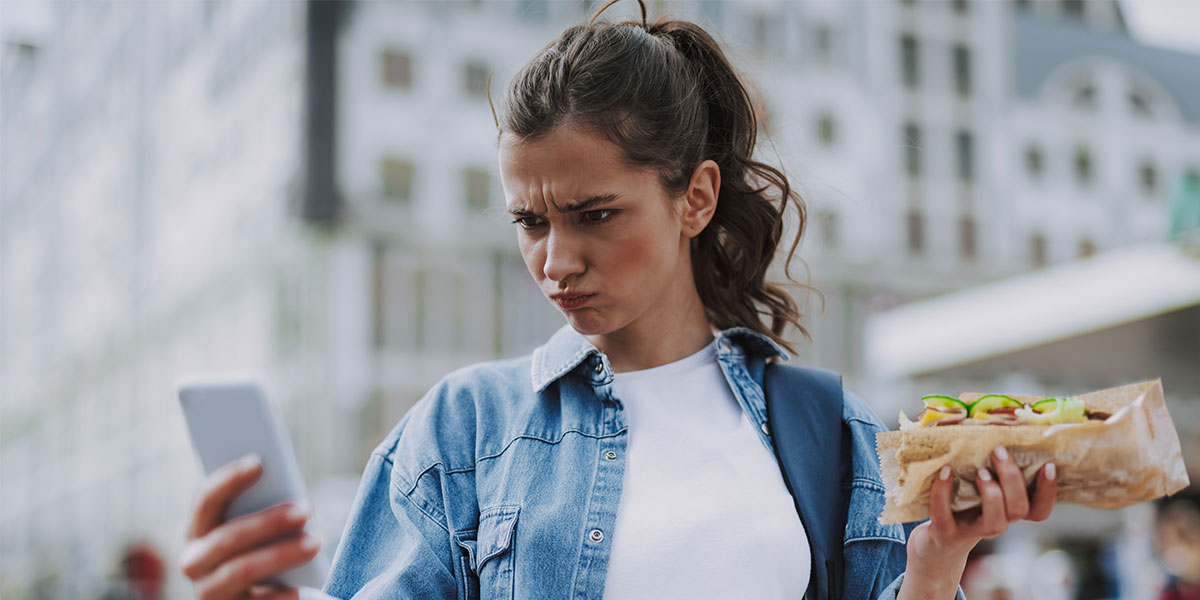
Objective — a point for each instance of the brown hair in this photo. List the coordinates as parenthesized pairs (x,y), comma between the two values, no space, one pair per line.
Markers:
(669,98)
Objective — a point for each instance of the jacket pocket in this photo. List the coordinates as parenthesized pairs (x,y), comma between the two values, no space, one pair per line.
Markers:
(468,588)
(487,559)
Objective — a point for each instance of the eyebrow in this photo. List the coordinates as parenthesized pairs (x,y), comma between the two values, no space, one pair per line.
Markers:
(582,205)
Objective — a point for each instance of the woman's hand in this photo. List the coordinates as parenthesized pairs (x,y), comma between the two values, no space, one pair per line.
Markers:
(225,559)
(938,548)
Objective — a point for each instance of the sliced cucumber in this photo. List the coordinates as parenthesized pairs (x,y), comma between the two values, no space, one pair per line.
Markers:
(943,403)
(990,402)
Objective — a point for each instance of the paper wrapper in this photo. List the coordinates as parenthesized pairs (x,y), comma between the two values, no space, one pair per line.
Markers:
(1131,457)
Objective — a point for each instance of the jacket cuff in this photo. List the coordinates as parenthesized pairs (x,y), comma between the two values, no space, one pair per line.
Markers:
(889,593)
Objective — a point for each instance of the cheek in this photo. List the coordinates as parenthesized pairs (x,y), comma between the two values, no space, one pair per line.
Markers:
(532,254)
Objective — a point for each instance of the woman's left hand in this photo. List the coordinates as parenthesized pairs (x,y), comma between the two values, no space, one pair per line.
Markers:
(938,548)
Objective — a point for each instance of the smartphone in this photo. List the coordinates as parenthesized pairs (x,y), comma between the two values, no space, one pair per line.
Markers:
(230,417)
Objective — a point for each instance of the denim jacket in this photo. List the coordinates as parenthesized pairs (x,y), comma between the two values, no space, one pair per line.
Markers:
(504,481)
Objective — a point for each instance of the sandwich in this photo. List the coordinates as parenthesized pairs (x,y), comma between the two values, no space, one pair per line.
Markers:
(1112,447)
(1001,409)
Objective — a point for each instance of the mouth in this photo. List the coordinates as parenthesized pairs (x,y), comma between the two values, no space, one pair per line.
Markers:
(569,301)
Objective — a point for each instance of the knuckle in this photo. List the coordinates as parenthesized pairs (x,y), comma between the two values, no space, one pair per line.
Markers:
(189,562)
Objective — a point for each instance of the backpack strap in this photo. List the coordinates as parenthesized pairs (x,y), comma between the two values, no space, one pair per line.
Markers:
(804,409)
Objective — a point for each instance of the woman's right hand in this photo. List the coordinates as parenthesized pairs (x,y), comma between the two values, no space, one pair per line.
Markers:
(224,559)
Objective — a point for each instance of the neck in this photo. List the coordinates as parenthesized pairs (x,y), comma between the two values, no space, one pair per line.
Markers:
(676,328)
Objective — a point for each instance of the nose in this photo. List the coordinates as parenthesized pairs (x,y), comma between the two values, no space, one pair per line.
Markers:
(564,258)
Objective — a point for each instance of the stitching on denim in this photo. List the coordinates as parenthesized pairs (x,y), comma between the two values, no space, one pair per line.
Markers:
(568,365)
(866,422)
(546,441)
(420,508)
(872,484)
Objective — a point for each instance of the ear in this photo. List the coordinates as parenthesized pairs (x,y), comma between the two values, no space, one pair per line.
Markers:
(700,201)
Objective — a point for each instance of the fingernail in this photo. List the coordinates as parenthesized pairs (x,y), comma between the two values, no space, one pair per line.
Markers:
(298,512)
(310,543)
(985,475)
(1001,453)
(1050,472)
(944,474)
(248,462)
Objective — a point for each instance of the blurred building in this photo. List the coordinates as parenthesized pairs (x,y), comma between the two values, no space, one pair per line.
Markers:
(310,192)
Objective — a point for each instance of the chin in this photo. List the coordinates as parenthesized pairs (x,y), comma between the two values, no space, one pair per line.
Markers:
(587,322)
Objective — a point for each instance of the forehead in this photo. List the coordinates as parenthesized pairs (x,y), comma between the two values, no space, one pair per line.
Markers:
(562,165)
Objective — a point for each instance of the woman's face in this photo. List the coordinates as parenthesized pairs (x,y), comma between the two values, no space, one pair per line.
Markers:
(602,240)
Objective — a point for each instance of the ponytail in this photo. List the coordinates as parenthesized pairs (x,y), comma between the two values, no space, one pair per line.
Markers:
(669,98)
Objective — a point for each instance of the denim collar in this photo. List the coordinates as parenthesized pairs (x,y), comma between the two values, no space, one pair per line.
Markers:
(567,349)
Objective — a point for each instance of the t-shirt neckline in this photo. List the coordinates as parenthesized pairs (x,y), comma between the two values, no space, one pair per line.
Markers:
(704,356)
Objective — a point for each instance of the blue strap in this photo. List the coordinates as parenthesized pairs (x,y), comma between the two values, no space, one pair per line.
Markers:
(804,410)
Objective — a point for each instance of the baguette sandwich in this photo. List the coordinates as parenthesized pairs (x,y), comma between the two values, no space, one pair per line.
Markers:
(1111,448)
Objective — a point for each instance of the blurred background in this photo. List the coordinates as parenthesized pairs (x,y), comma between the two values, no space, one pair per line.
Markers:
(1002,195)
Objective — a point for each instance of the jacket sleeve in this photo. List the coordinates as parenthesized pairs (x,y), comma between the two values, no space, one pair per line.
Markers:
(396,543)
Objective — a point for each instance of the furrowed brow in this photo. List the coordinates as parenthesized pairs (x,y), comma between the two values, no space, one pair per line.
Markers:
(589,203)
(580,206)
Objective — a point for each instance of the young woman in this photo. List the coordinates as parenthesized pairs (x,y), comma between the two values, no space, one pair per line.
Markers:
(629,456)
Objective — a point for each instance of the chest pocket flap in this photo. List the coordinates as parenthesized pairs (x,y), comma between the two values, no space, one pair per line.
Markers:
(497,528)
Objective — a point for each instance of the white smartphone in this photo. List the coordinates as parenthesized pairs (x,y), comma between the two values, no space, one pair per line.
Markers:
(228,418)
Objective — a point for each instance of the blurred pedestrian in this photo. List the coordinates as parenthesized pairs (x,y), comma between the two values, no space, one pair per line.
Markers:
(1177,540)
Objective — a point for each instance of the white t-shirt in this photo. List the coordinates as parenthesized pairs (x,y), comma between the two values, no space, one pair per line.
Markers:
(704,511)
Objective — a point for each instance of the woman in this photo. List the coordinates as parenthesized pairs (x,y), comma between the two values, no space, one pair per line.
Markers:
(628,456)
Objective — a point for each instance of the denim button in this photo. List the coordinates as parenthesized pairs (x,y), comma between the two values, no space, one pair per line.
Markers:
(596,535)
(610,455)
(765,429)
(599,367)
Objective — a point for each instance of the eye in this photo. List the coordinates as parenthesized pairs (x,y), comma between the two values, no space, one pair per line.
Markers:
(526,222)
(597,216)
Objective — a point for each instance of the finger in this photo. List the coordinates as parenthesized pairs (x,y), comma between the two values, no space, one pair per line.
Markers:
(1012,483)
(220,488)
(993,519)
(941,519)
(273,592)
(203,555)
(234,578)
(1044,494)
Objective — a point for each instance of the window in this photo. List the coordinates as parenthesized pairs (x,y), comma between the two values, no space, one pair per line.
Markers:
(825,130)
(966,237)
(962,70)
(829,229)
(822,43)
(965,145)
(916,231)
(908,61)
(1033,162)
(912,150)
(476,79)
(476,182)
(397,178)
(396,69)
(1085,96)
(1139,103)
(760,34)
(1083,164)
(1037,250)
(1149,178)
(1086,247)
